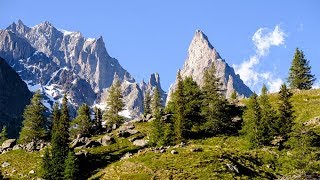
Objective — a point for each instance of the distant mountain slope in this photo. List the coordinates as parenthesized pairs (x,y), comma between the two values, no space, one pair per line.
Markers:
(59,61)
(201,54)
(14,96)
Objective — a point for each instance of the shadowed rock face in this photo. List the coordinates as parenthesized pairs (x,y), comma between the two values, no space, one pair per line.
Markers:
(14,96)
(201,54)
(62,61)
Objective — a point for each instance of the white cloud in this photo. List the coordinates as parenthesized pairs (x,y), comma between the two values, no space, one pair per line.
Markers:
(263,39)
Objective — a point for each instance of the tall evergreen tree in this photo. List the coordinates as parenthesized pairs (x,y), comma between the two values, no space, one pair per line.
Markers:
(252,121)
(97,119)
(214,105)
(268,117)
(179,114)
(192,104)
(157,124)
(115,104)
(71,171)
(156,105)
(34,120)
(146,103)
(46,165)
(286,117)
(82,123)
(300,76)
(60,139)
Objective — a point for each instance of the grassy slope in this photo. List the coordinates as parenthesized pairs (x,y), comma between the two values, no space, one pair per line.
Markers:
(104,163)
(263,163)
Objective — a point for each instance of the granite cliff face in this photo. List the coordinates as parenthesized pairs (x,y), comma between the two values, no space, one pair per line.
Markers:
(201,54)
(14,96)
(59,61)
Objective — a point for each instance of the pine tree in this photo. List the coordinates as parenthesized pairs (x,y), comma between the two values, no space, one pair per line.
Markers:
(214,105)
(46,165)
(3,134)
(82,122)
(115,104)
(34,120)
(252,121)
(285,109)
(268,117)
(71,171)
(156,105)
(192,104)
(168,134)
(97,120)
(300,76)
(146,103)
(157,124)
(179,114)
(60,139)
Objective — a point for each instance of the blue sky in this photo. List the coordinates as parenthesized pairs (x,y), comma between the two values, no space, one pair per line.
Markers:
(148,36)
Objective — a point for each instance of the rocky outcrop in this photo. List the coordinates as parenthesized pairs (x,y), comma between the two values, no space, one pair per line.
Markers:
(14,96)
(201,54)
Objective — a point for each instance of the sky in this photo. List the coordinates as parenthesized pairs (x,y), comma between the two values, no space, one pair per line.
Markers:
(257,38)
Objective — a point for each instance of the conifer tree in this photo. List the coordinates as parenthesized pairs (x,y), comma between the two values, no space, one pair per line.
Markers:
(115,104)
(252,121)
(285,109)
(82,122)
(157,124)
(156,105)
(46,165)
(268,117)
(192,106)
(214,105)
(3,134)
(33,127)
(179,114)
(60,139)
(300,76)
(168,134)
(71,171)
(146,103)
(98,119)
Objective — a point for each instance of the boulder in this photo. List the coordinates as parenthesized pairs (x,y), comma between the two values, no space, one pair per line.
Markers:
(5,164)
(31,172)
(8,143)
(140,142)
(124,134)
(17,146)
(106,140)
(148,117)
(79,141)
(132,131)
(81,154)
(32,146)
(127,126)
(196,149)
(114,126)
(126,156)
(140,136)
(91,144)
(174,152)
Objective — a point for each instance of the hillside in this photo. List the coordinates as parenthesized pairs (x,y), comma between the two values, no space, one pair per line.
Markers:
(223,157)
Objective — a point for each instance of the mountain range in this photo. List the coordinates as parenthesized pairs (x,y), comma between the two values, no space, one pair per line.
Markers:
(57,61)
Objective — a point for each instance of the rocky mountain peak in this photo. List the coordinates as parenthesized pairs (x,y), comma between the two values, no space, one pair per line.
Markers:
(154,80)
(201,55)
